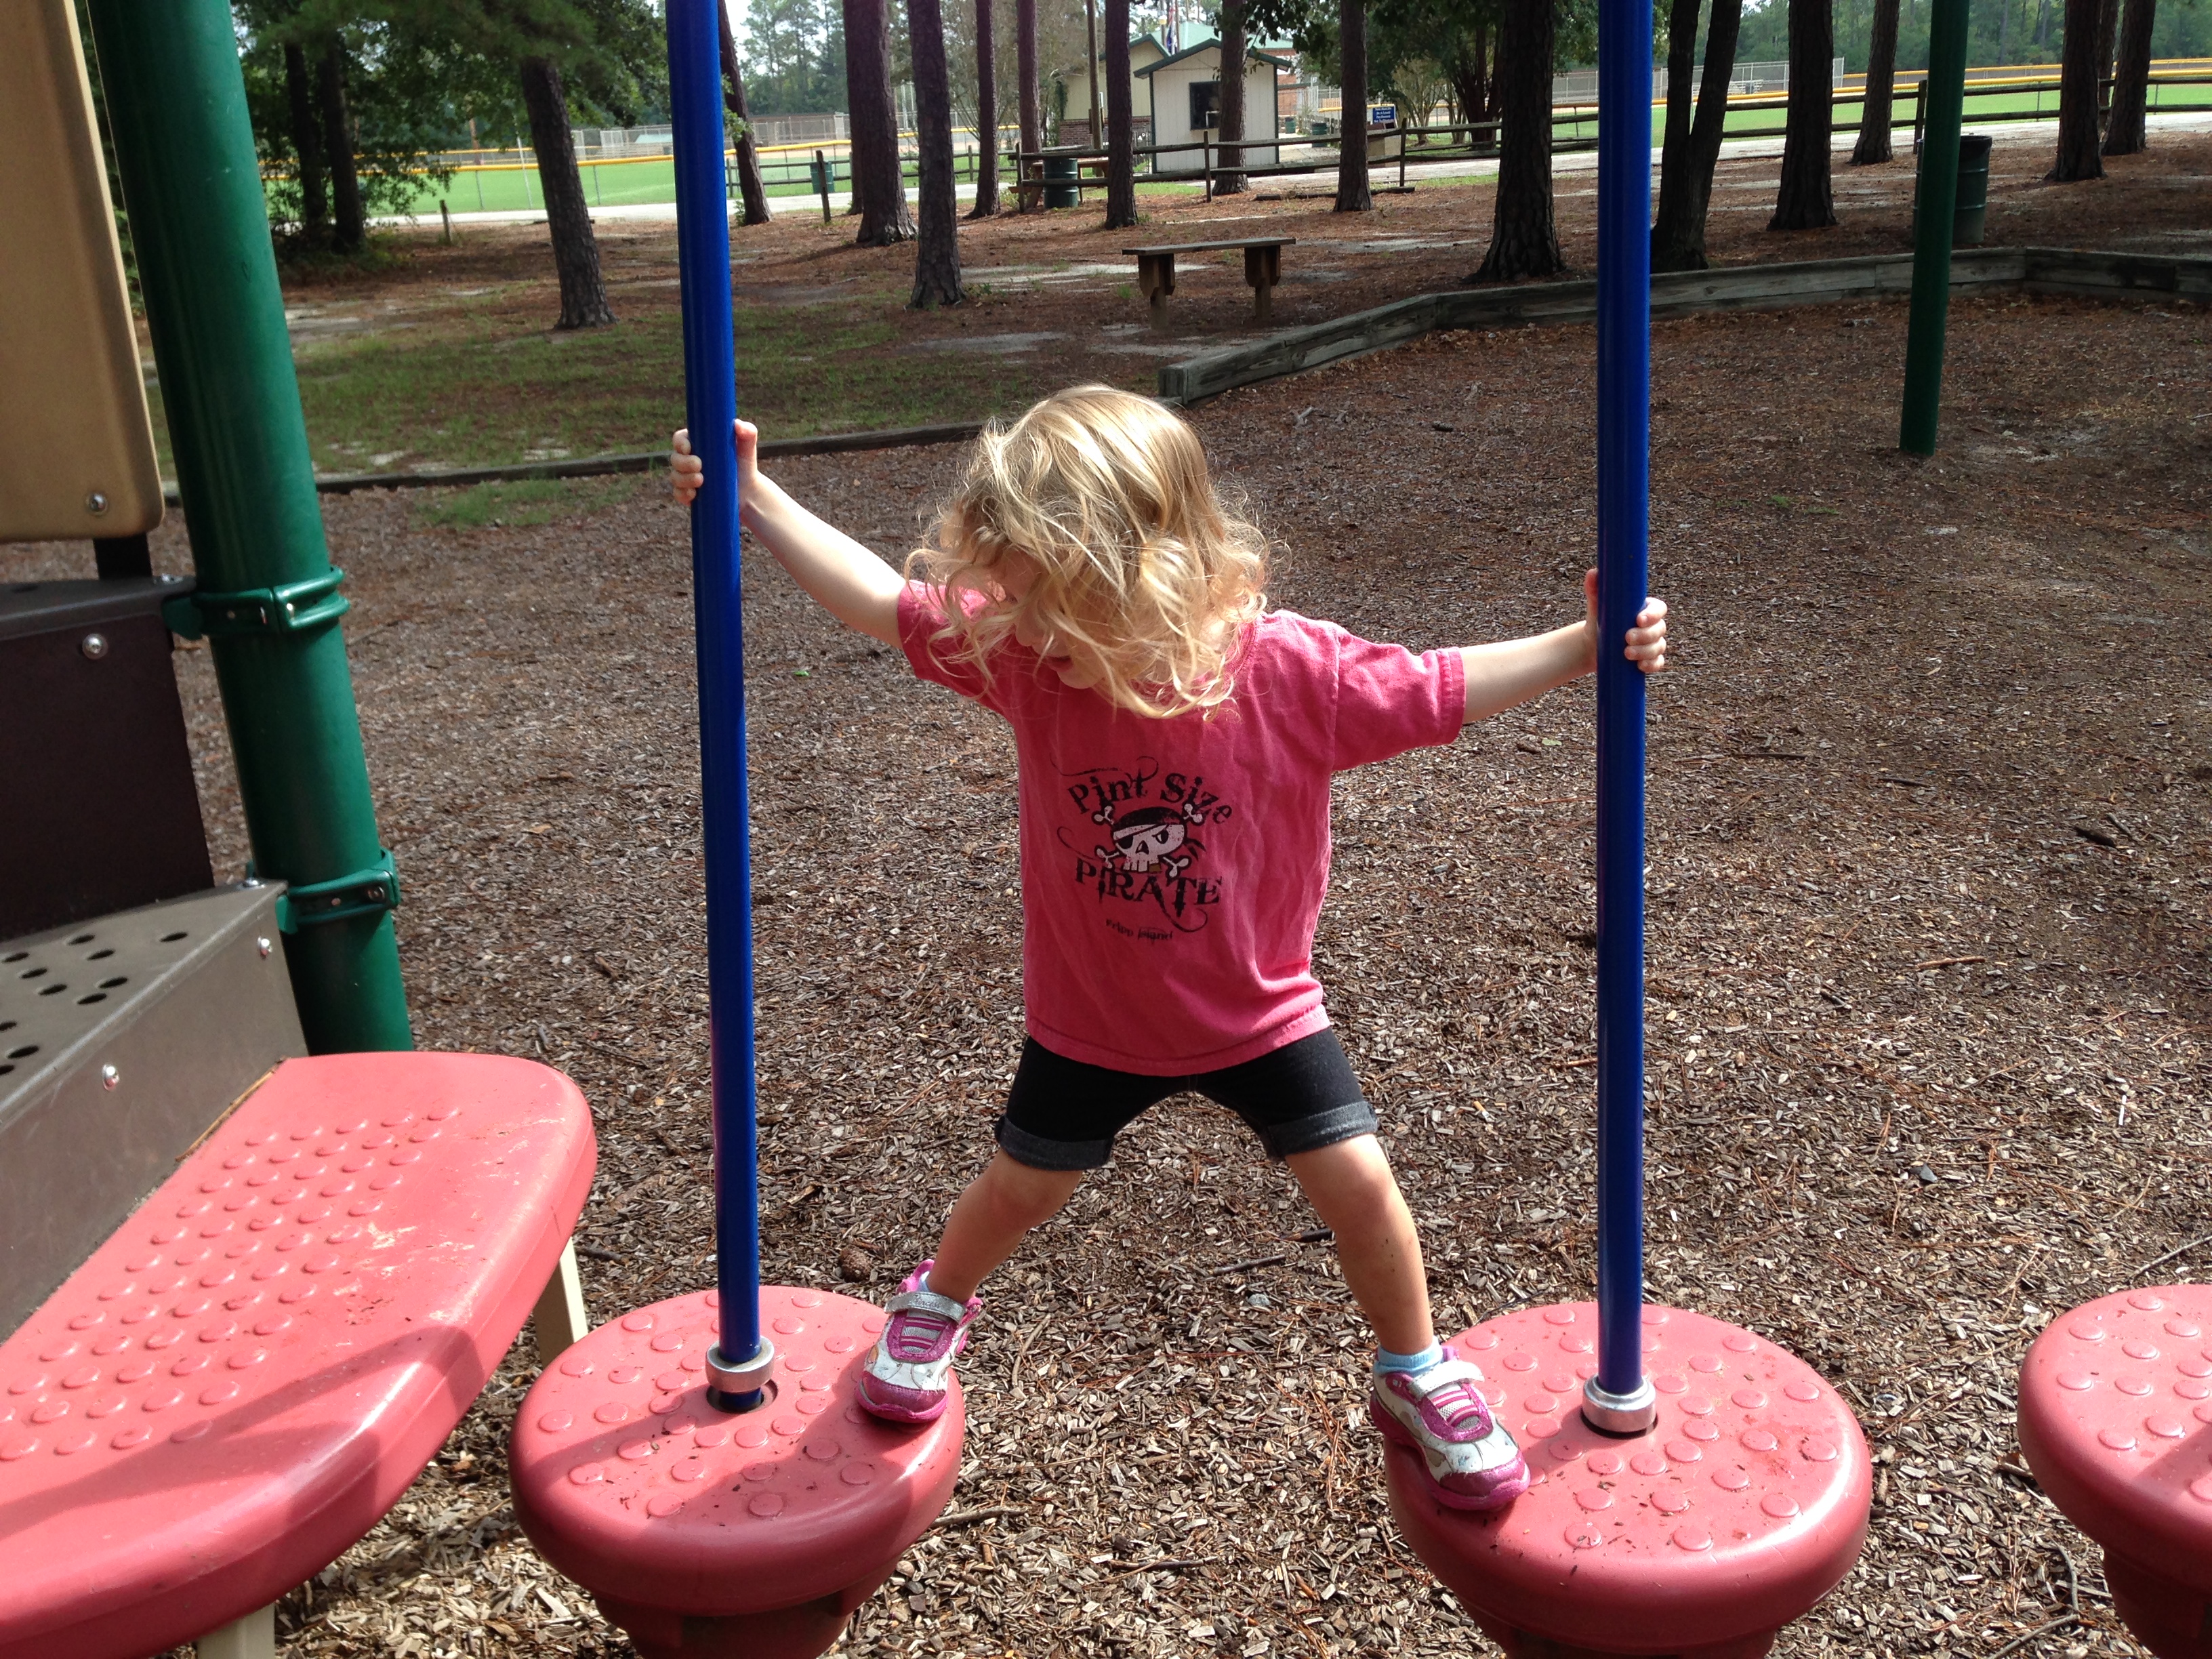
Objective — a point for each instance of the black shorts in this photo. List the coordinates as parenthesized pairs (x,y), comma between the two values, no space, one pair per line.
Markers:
(1063,1115)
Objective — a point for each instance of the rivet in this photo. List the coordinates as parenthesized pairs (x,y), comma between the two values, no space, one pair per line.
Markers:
(1779,1504)
(1683,1451)
(1731,1479)
(766,1503)
(2117,1439)
(2076,1381)
(95,503)
(1583,1536)
(109,1076)
(2166,1428)
(95,646)
(1692,1539)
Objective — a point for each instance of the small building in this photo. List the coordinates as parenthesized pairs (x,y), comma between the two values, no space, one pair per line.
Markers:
(1076,125)
(1185,101)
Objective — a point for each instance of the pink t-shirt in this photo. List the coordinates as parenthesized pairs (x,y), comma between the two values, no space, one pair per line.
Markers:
(1172,870)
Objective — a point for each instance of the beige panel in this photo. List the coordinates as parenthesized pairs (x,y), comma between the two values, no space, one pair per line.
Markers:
(73,424)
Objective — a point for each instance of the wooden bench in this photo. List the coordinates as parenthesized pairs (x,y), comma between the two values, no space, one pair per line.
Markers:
(240,1382)
(1263,268)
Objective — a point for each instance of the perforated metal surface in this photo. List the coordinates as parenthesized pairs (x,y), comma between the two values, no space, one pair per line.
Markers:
(121,1040)
(1744,1503)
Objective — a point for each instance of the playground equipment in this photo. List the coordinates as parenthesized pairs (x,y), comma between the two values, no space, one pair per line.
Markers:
(2116,1420)
(209,1389)
(715,1485)
(1711,1487)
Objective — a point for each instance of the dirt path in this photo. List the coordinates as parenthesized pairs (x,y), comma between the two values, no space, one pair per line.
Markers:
(1929,797)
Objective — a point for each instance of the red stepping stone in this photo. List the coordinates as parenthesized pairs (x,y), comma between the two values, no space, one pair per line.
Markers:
(2116,1420)
(1743,1503)
(704,1533)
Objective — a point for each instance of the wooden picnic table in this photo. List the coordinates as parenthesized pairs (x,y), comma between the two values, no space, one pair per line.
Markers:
(1263,268)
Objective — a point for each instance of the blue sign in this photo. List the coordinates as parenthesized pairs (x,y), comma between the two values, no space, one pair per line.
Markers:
(1381,115)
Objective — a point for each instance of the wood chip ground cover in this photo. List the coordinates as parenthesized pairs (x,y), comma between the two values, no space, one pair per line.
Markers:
(1929,876)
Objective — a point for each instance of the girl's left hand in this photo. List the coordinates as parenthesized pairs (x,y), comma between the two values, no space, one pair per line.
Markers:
(1646,645)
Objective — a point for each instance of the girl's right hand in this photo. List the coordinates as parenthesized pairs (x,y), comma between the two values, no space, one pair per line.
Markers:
(686,471)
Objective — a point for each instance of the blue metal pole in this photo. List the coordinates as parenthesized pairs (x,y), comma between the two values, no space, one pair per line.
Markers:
(1618,1398)
(710,405)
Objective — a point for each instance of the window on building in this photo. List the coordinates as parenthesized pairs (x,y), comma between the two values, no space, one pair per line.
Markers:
(1205,104)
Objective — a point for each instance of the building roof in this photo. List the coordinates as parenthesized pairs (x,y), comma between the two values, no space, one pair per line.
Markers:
(1251,54)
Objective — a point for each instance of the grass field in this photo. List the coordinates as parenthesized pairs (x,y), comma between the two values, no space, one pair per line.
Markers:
(511,187)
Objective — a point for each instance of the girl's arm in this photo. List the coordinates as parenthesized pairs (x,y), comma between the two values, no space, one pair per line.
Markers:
(1513,672)
(847,580)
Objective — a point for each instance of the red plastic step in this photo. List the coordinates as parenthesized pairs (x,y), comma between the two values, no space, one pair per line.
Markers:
(2116,1420)
(1744,1504)
(247,1376)
(705,1534)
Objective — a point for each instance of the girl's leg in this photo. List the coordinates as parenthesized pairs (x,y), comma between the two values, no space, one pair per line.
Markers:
(1351,1186)
(998,1207)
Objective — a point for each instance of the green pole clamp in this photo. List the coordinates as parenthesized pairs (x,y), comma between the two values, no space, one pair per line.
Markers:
(287,608)
(307,904)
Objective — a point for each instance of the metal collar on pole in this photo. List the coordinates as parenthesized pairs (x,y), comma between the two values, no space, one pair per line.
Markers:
(1618,1398)
(737,1366)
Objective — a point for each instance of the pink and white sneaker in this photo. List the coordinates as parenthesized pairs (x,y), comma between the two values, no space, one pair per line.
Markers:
(1472,1462)
(905,1379)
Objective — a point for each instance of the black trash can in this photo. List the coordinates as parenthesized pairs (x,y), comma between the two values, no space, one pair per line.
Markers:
(1061,187)
(1970,211)
(1973,205)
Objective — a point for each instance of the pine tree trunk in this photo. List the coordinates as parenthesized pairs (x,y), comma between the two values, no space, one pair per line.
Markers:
(937,252)
(1677,237)
(2077,97)
(1121,122)
(349,223)
(749,189)
(1352,195)
(1523,241)
(2108,29)
(1804,202)
(879,188)
(306,146)
(575,249)
(1233,52)
(1874,145)
(2125,133)
(986,116)
(1025,66)
(1675,146)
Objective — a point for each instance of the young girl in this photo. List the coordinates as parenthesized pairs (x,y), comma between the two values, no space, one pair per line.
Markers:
(1175,740)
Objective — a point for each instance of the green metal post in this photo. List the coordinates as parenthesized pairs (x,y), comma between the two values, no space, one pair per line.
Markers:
(267,595)
(1946,97)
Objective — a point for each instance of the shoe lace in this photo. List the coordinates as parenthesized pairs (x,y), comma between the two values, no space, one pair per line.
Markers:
(916,1333)
(1460,1405)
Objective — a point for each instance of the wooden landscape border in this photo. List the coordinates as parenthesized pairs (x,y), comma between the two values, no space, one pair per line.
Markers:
(2086,274)
(1678,294)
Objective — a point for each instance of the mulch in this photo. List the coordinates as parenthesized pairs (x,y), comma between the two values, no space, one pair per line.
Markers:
(1930,790)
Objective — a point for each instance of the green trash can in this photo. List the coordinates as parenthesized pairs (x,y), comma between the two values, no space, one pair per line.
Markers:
(1972,211)
(1061,187)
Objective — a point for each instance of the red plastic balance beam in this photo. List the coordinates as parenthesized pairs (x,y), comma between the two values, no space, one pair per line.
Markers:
(247,1376)
(2116,1420)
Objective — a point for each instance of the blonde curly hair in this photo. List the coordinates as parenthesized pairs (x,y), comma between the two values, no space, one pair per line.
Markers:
(1141,568)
